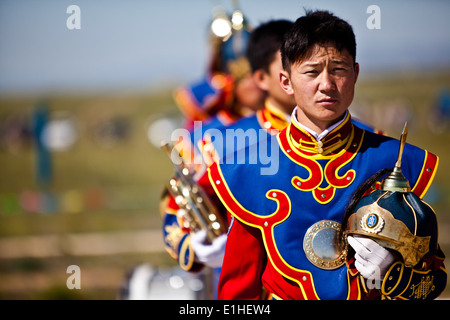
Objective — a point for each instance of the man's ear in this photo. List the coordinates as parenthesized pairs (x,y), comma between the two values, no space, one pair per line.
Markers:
(285,82)
(356,68)
(260,78)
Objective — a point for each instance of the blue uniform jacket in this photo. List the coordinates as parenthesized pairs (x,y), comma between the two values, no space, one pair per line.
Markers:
(314,182)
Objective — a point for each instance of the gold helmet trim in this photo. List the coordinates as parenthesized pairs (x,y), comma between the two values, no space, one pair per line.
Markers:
(389,232)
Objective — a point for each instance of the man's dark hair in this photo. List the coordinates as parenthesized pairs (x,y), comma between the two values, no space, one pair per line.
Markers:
(264,43)
(316,28)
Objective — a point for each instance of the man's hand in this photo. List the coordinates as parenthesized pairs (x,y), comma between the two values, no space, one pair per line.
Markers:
(372,260)
(209,254)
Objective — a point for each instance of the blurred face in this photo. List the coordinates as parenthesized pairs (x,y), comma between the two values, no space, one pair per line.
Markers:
(322,85)
(248,94)
(270,82)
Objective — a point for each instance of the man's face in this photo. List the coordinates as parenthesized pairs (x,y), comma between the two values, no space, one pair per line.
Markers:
(322,85)
(283,100)
(248,94)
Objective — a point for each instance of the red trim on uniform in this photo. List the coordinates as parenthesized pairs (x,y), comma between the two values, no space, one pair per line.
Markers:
(315,178)
(426,175)
(330,173)
(334,165)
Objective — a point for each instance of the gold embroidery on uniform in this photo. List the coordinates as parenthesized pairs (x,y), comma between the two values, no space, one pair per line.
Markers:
(423,288)
(173,237)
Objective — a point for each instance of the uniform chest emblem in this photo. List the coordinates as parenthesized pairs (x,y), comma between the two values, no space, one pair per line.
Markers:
(322,246)
(330,173)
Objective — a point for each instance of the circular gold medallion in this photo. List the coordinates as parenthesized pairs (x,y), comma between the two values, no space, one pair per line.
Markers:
(322,246)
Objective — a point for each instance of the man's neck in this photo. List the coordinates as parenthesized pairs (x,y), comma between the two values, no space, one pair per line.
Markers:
(317,130)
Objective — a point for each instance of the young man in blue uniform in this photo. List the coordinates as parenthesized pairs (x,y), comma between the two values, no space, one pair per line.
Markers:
(273,248)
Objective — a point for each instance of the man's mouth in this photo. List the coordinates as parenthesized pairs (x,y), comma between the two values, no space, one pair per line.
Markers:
(327,101)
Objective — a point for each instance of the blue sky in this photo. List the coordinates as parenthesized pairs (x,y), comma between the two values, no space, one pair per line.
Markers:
(148,44)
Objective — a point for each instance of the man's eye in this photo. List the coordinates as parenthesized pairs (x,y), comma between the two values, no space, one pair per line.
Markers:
(311,72)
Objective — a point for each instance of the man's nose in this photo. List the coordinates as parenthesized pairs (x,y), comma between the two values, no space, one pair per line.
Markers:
(326,82)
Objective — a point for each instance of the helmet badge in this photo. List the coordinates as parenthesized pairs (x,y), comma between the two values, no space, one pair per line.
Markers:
(372,222)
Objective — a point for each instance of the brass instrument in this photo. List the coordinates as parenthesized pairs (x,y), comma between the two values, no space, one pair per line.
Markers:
(202,214)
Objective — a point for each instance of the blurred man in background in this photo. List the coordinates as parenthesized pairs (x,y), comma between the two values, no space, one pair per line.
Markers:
(227,91)
(190,248)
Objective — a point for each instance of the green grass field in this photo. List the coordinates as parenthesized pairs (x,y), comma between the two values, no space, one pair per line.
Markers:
(114,186)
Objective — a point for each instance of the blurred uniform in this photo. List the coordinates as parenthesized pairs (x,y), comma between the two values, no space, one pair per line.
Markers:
(227,89)
(226,94)
(211,151)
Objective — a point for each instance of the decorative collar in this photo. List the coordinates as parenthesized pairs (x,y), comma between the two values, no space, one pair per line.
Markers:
(331,143)
(272,118)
